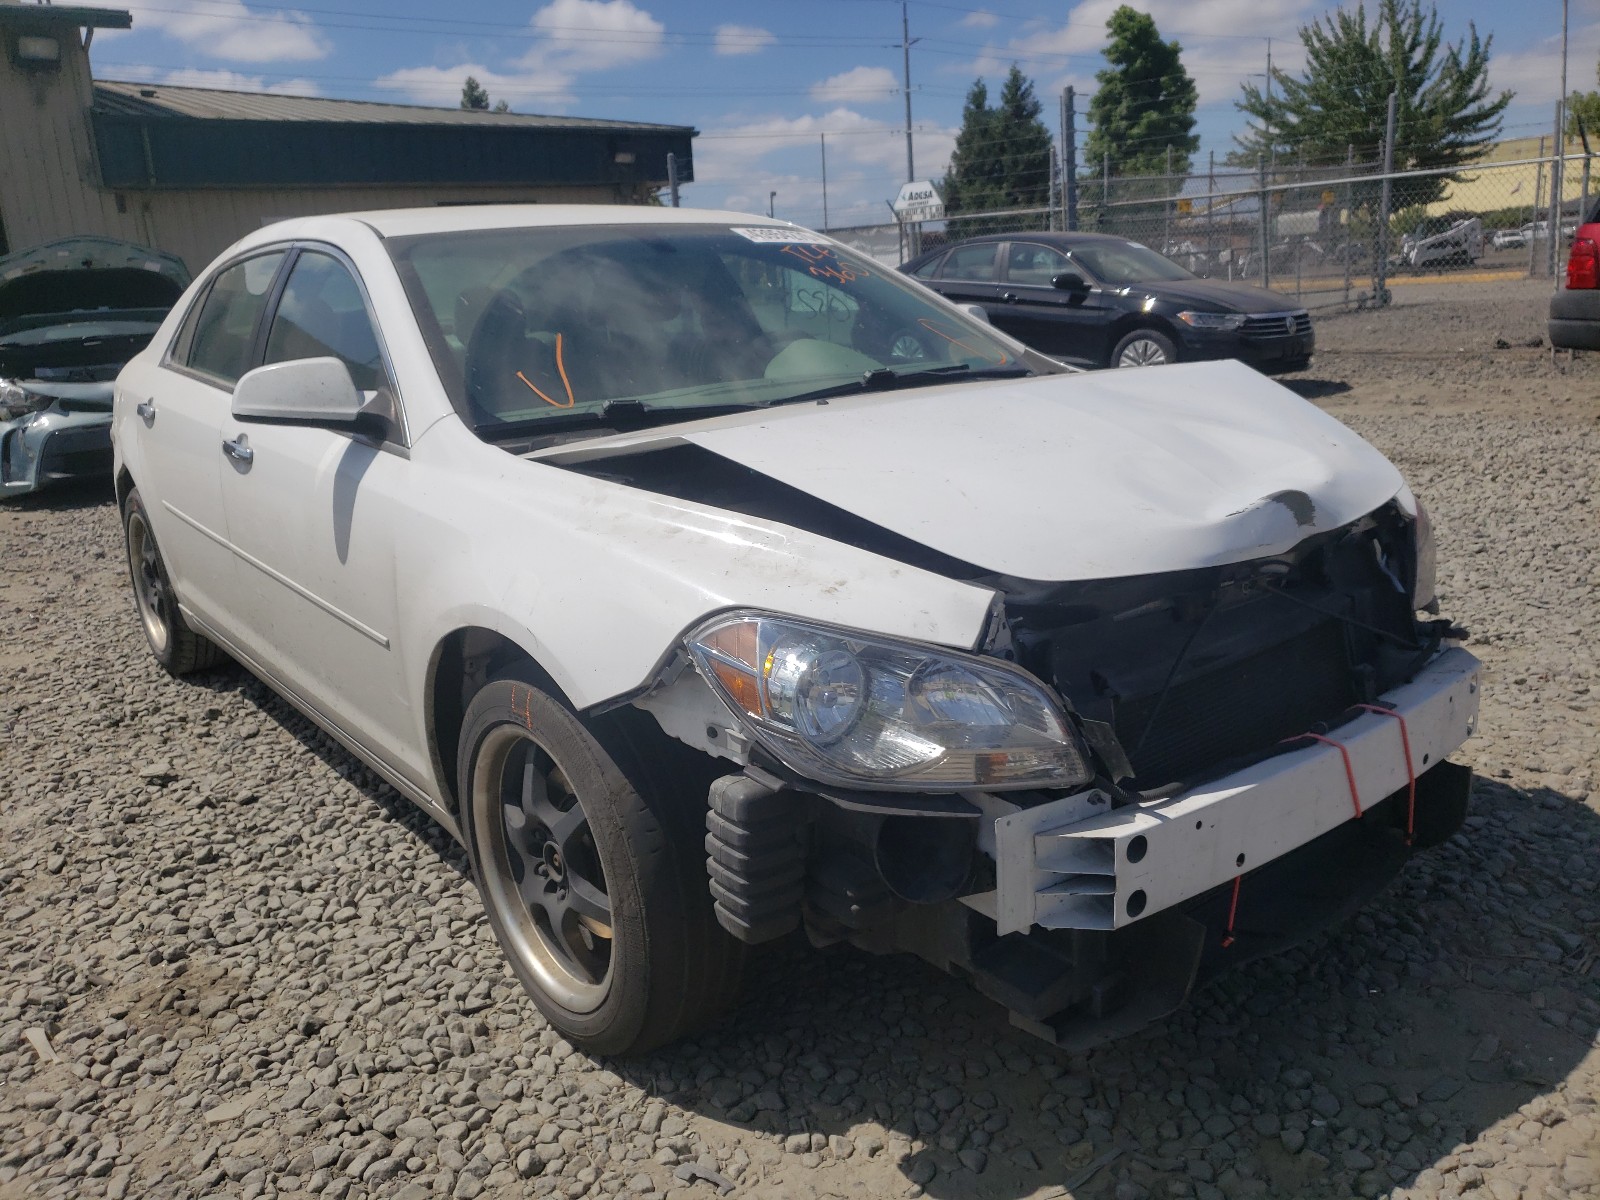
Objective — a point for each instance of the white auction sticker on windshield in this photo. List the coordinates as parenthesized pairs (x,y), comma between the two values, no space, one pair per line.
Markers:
(782,237)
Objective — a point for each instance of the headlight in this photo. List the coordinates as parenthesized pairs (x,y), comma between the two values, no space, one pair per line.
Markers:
(1425,552)
(853,710)
(1209,320)
(15,400)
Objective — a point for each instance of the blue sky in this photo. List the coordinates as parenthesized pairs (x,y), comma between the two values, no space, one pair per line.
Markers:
(763,80)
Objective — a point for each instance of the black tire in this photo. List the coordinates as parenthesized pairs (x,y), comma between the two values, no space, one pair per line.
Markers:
(1144,342)
(179,649)
(528,764)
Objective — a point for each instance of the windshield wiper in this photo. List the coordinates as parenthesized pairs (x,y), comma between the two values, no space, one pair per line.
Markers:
(883,379)
(623,416)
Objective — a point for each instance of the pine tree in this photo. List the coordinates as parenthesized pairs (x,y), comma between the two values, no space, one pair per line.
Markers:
(1144,102)
(1002,154)
(1585,107)
(1445,116)
(474,95)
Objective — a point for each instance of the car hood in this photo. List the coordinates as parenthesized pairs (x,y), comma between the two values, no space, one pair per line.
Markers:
(1213,295)
(88,273)
(1065,477)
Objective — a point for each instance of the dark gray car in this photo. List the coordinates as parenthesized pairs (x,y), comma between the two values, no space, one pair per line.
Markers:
(1101,301)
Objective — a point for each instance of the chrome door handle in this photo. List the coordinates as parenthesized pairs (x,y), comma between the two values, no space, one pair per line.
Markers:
(1009,297)
(146,411)
(238,449)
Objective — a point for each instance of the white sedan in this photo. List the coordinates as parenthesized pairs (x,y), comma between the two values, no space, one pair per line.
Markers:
(710,581)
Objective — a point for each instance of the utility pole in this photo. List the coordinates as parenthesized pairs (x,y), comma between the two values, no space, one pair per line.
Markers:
(1271,148)
(1211,211)
(1266,219)
(1555,185)
(1533,214)
(824,182)
(672,177)
(1380,283)
(1166,209)
(1069,159)
(1105,194)
(905,47)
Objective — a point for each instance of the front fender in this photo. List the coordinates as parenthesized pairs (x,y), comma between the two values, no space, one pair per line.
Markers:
(597,581)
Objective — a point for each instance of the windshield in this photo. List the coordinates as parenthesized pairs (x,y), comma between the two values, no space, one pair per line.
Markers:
(546,325)
(1121,263)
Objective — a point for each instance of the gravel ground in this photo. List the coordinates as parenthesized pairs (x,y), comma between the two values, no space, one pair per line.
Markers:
(234,964)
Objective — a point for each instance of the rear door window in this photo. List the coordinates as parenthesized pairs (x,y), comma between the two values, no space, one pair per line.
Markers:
(1033,265)
(971,262)
(223,345)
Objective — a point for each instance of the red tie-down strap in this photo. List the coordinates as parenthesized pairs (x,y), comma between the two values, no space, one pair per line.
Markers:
(1411,770)
(1349,771)
(1233,911)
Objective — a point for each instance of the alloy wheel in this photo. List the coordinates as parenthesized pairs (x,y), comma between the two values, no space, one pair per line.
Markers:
(544,879)
(1142,353)
(907,347)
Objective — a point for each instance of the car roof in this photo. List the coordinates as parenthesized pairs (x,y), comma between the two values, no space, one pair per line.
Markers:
(406,222)
(1061,241)
(1065,240)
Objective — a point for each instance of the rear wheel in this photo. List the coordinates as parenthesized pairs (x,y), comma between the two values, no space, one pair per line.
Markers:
(593,876)
(1144,348)
(176,647)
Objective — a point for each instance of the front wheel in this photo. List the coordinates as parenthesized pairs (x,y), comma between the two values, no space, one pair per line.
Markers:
(593,878)
(1144,348)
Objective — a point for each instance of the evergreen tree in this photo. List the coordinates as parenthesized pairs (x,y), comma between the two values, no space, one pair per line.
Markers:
(1445,114)
(1144,103)
(474,95)
(1585,106)
(1002,154)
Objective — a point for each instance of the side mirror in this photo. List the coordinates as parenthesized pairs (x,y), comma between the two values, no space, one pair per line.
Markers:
(976,311)
(307,391)
(1069,281)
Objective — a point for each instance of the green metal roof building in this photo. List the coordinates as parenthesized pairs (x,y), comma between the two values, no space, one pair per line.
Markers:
(189,170)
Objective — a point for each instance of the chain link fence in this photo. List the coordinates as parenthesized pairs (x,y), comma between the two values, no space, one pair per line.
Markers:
(1343,235)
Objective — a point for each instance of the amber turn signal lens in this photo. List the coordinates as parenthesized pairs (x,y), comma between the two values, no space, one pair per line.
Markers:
(741,686)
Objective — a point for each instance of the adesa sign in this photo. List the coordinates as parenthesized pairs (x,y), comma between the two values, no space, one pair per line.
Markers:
(919,201)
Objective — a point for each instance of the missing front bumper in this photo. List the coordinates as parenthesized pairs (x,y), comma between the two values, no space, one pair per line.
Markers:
(1076,863)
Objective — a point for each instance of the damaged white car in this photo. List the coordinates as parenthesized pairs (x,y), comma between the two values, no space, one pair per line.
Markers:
(711,582)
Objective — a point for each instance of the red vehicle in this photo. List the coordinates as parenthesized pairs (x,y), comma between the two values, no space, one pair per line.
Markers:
(1575,309)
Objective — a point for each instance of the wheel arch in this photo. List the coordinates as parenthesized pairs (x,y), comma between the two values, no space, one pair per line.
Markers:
(124,485)
(461,662)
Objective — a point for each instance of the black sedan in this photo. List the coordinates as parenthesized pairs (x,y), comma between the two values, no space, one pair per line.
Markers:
(1101,301)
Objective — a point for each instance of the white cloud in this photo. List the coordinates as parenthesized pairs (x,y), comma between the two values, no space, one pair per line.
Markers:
(228,29)
(1070,53)
(592,35)
(742,39)
(1535,73)
(442,85)
(231,81)
(737,163)
(859,84)
(980,19)
(576,37)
